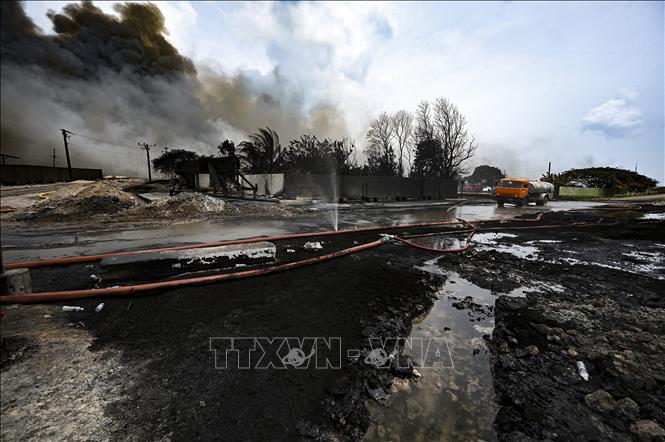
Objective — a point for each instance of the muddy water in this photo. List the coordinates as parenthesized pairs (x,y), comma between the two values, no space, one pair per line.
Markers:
(21,245)
(453,401)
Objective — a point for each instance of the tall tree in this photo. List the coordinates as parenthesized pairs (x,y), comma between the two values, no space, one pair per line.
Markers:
(261,152)
(450,129)
(379,149)
(428,154)
(403,131)
(423,129)
(428,159)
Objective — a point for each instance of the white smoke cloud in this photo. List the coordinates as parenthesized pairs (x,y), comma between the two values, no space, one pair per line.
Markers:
(615,118)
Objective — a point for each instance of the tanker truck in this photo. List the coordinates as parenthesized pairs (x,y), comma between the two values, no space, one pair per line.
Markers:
(520,191)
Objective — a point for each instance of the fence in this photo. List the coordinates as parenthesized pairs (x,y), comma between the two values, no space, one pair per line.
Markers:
(26,174)
(333,187)
(583,192)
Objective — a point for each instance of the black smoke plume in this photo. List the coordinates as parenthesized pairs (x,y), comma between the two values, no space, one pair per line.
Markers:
(118,79)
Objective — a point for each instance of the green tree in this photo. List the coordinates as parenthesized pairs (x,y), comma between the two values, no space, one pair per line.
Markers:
(261,152)
(485,175)
(311,155)
(178,163)
(427,161)
(618,180)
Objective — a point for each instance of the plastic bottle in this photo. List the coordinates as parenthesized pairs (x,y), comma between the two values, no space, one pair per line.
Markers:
(581,369)
(99,307)
(70,308)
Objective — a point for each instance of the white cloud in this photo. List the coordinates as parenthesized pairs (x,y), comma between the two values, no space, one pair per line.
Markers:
(615,118)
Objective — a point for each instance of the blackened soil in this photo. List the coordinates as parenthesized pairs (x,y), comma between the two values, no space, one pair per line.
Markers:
(180,395)
(611,317)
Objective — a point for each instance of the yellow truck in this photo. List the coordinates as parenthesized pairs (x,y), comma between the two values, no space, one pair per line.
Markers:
(520,191)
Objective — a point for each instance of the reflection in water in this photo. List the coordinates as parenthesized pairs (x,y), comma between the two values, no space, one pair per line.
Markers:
(21,245)
(446,403)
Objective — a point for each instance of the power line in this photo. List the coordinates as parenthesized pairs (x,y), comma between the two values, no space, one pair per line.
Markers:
(102,141)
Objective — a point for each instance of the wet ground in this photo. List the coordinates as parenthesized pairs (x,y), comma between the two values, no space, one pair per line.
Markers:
(45,242)
(142,367)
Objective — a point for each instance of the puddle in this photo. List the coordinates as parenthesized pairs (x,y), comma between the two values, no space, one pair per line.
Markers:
(455,402)
(656,216)
(441,242)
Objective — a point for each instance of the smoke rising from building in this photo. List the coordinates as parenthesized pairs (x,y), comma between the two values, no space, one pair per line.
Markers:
(119,79)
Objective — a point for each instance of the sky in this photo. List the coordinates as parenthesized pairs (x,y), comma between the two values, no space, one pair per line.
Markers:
(577,84)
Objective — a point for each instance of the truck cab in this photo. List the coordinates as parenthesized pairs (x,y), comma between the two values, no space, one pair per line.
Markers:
(521,191)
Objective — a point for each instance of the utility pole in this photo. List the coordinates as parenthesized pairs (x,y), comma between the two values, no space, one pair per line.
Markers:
(54,156)
(147,147)
(549,168)
(4,156)
(65,137)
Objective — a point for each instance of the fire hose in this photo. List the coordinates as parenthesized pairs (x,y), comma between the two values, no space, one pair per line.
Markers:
(142,288)
(162,285)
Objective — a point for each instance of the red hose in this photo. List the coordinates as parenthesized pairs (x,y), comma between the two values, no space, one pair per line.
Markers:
(435,250)
(142,288)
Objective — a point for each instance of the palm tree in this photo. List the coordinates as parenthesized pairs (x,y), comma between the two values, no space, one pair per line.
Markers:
(261,151)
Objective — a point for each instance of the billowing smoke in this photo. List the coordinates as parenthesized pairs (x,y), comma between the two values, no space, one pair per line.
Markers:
(118,79)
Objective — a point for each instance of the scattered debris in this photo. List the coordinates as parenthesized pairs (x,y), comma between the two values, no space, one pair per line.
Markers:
(378,394)
(315,245)
(581,369)
(96,280)
(70,308)
(99,307)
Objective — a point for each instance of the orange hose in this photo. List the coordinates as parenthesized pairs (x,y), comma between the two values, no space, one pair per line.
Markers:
(142,288)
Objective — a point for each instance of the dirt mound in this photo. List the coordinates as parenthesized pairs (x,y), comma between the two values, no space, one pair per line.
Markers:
(80,201)
(181,207)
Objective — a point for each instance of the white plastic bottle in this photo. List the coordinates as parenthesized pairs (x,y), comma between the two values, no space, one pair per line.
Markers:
(71,308)
(581,369)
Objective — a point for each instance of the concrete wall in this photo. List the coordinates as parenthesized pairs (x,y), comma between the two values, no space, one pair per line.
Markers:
(269,184)
(583,192)
(26,174)
(203,181)
(352,186)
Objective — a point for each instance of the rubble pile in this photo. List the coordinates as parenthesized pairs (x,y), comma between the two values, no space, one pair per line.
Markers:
(182,206)
(80,200)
